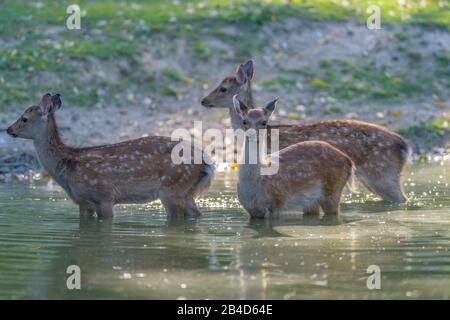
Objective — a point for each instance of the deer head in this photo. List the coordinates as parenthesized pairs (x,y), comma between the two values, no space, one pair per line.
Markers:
(239,83)
(33,122)
(253,119)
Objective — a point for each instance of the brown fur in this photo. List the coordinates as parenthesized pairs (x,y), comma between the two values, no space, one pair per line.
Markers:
(311,174)
(312,157)
(379,154)
(132,171)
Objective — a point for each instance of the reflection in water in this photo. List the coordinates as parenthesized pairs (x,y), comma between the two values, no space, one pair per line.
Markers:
(223,254)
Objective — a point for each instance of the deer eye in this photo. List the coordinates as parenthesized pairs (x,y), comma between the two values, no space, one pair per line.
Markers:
(244,123)
(24,119)
(223,89)
(264,123)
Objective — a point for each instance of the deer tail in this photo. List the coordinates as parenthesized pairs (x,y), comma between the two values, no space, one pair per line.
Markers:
(351,179)
(207,175)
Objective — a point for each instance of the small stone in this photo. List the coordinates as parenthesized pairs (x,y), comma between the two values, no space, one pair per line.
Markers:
(300,108)
(352,115)
(380,115)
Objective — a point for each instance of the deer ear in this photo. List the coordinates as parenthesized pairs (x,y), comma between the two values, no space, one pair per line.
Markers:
(241,76)
(249,69)
(45,104)
(239,106)
(56,102)
(270,106)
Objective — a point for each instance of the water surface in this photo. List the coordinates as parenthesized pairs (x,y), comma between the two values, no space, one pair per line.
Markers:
(224,255)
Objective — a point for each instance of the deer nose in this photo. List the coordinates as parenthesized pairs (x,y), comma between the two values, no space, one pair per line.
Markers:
(10,132)
(206,103)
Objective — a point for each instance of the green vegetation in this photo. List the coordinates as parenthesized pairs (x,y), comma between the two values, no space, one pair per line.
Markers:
(200,49)
(190,18)
(319,84)
(278,83)
(438,126)
(146,16)
(34,40)
(113,46)
(334,110)
(428,134)
(402,36)
(347,80)
(175,76)
(442,62)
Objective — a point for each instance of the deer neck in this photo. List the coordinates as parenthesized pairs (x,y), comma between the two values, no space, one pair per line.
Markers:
(53,154)
(246,96)
(250,171)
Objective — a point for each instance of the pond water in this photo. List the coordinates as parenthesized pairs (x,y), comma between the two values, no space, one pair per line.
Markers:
(224,255)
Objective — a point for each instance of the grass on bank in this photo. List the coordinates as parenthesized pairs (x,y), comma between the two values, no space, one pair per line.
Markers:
(34,39)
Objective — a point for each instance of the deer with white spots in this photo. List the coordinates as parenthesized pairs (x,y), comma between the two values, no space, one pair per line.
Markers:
(310,174)
(97,178)
(379,154)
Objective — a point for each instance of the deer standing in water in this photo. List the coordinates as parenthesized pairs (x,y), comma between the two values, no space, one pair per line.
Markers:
(310,174)
(96,178)
(379,154)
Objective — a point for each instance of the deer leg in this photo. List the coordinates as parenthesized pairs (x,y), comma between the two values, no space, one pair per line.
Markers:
(86,210)
(104,210)
(330,206)
(174,206)
(312,211)
(192,209)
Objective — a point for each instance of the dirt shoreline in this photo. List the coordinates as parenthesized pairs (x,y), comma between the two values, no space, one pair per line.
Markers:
(18,159)
(310,65)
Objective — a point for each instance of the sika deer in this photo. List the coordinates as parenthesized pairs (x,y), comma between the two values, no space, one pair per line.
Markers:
(379,154)
(96,178)
(310,174)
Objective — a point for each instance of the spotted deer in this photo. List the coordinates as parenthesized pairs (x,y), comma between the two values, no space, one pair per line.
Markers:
(97,178)
(311,174)
(379,154)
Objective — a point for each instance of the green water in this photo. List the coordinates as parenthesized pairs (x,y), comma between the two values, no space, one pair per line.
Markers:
(224,255)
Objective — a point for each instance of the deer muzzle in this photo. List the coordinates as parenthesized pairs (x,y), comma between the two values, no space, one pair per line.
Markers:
(11,132)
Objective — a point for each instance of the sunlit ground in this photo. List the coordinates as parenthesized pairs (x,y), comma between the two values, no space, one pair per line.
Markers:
(225,255)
